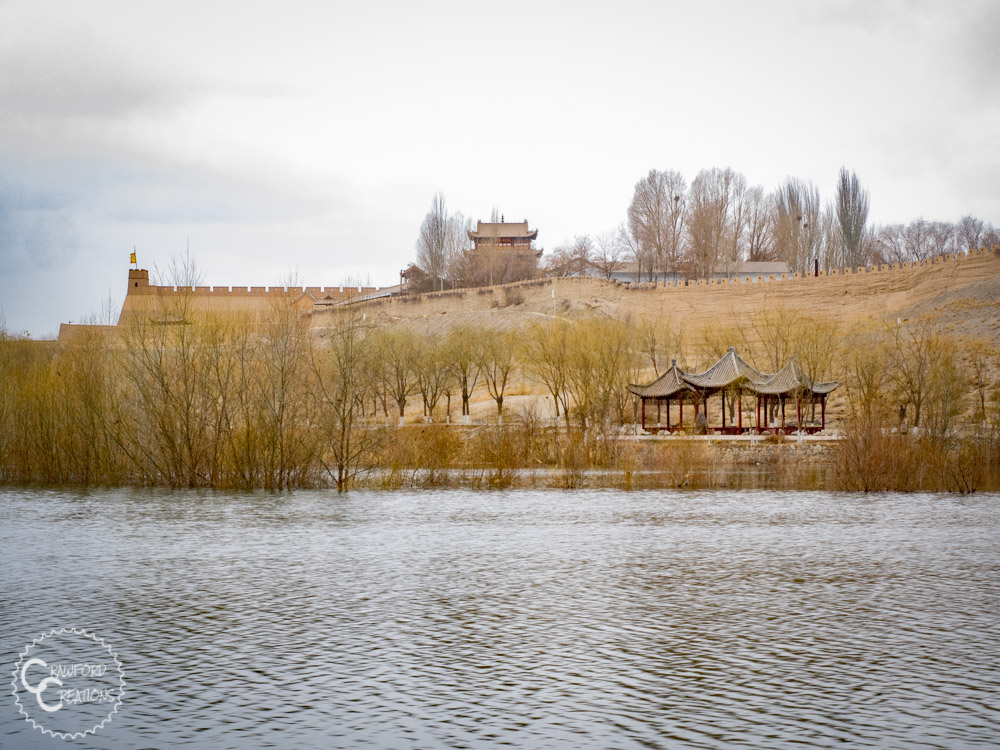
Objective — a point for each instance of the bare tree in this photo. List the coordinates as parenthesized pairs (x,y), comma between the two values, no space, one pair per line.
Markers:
(972,233)
(431,368)
(397,350)
(432,242)
(600,361)
(572,257)
(738,221)
(456,245)
(463,345)
(656,339)
(831,252)
(852,216)
(759,241)
(798,231)
(862,355)
(717,219)
(547,349)
(911,351)
(890,244)
(608,254)
(498,358)
(918,240)
(182,271)
(341,374)
(632,248)
(984,358)
(944,237)
(656,220)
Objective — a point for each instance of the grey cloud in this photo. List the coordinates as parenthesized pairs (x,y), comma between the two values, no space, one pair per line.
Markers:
(979,54)
(958,38)
(77,73)
(80,72)
(37,230)
(85,87)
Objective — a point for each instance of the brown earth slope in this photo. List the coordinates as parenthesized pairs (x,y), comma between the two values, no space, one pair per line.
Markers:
(965,289)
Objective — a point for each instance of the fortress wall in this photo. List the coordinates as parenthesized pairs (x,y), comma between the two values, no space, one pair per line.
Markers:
(844,292)
(236,299)
(256,291)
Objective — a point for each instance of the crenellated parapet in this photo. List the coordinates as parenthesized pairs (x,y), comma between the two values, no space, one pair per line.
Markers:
(882,268)
(143,297)
(318,292)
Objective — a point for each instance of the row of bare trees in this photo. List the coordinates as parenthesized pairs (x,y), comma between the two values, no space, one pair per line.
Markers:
(676,230)
(182,398)
(584,364)
(178,397)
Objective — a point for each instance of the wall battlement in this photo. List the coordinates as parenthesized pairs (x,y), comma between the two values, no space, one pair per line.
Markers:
(139,284)
(834,272)
(143,297)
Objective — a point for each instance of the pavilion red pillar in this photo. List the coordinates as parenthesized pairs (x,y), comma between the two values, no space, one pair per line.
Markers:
(758,413)
(739,408)
(668,413)
(822,407)
(798,407)
(782,411)
(723,408)
(643,410)
(680,404)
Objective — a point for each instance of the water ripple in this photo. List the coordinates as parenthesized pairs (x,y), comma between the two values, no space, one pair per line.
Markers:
(525,619)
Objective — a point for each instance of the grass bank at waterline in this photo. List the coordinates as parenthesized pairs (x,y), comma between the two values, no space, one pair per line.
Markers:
(526,455)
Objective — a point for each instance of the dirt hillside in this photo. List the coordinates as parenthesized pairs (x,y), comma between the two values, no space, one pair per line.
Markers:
(964,290)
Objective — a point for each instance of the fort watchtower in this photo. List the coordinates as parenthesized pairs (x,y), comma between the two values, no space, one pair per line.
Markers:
(490,234)
(138,280)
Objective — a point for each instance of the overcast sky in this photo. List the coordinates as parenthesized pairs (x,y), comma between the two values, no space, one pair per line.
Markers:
(310,137)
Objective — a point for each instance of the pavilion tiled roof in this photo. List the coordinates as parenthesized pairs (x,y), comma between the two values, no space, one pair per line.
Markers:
(669,383)
(790,379)
(728,370)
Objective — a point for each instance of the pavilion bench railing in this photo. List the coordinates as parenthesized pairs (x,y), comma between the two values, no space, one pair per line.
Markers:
(786,430)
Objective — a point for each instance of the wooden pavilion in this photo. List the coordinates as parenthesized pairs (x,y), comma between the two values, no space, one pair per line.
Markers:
(732,376)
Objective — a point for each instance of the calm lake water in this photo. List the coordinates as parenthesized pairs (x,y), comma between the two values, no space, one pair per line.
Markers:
(530,618)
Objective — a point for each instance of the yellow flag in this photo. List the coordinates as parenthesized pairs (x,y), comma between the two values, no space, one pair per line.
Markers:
(133,257)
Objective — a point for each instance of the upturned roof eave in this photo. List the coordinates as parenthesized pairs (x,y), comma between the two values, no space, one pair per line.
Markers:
(712,379)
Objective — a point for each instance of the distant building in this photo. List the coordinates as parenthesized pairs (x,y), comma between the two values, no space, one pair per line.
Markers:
(750,270)
(491,235)
(501,253)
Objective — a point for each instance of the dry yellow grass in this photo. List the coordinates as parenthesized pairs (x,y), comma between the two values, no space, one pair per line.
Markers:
(844,298)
